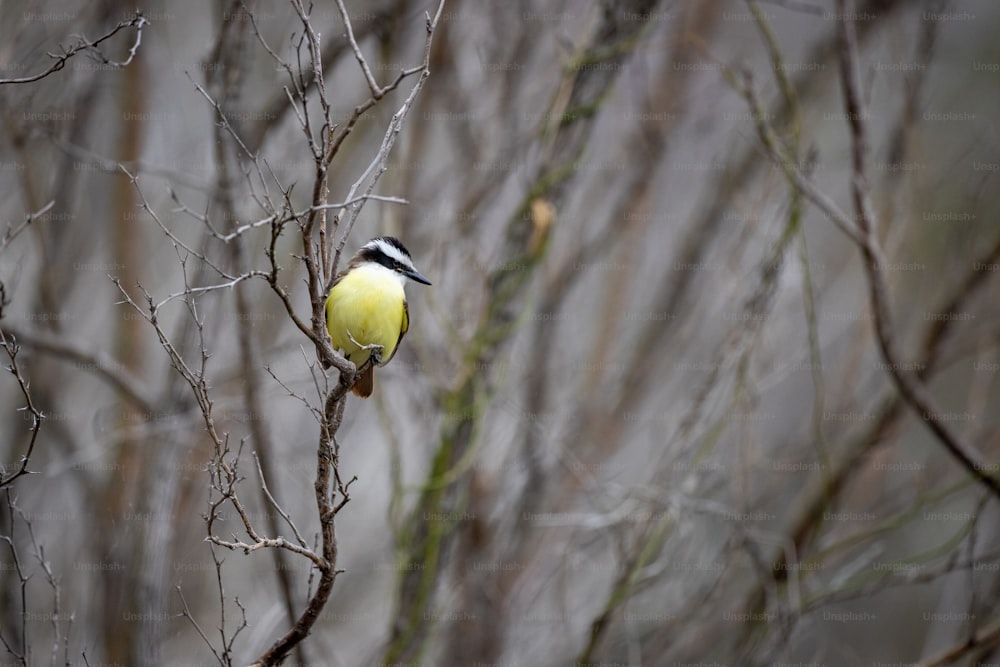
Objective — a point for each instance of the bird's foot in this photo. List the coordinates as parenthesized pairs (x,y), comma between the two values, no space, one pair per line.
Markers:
(375,349)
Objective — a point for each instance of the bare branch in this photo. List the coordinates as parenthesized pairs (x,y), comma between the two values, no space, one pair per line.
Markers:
(22,581)
(910,387)
(373,86)
(793,171)
(270,543)
(137,22)
(861,230)
(144,204)
(275,505)
(316,412)
(186,613)
(13,232)
(274,218)
(188,291)
(11,348)
(378,164)
(357,200)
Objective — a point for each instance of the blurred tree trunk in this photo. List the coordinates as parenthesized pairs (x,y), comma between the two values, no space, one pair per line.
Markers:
(123,513)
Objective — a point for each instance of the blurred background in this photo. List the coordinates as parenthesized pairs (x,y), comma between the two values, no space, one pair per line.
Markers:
(640,418)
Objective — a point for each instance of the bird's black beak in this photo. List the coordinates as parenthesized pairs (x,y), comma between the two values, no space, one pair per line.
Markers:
(417,276)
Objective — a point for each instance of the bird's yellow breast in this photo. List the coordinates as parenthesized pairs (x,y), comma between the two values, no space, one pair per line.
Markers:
(368,306)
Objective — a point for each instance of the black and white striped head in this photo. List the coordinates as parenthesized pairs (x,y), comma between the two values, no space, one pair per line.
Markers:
(387,251)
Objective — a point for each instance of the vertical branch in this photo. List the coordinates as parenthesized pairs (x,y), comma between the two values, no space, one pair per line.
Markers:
(11,348)
(910,387)
(319,267)
(20,650)
(323,156)
(327,462)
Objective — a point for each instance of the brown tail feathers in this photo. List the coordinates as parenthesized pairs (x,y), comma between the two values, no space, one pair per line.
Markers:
(365,382)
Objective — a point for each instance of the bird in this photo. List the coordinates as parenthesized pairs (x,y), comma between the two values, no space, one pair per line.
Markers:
(366,311)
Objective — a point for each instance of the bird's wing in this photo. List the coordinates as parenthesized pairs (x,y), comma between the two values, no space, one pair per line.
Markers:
(402,331)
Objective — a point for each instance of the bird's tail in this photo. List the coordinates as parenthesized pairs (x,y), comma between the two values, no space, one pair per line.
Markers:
(365,382)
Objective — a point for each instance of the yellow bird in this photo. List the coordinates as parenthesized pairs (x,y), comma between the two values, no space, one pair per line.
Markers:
(366,312)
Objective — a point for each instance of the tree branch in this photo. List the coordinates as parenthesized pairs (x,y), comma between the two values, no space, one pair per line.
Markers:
(910,387)
(137,21)
(12,348)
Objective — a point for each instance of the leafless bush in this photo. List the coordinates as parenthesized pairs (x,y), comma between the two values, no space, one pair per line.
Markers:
(706,373)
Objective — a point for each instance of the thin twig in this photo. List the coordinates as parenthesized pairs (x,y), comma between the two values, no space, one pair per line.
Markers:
(12,232)
(378,164)
(274,503)
(373,86)
(188,291)
(316,412)
(12,348)
(186,613)
(270,543)
(137,21)
(144,204)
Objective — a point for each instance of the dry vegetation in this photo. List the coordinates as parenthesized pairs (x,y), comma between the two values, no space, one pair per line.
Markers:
(708,372)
